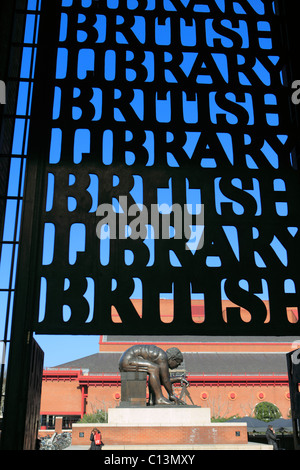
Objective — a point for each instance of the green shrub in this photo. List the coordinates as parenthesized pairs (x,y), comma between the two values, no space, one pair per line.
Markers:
(98,417)
(266,411)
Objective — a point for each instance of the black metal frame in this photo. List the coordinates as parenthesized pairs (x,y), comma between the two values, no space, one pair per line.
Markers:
(161,277)
(293,368)
(13,19)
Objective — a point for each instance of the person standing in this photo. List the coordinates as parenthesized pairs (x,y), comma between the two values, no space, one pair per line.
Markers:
(271,437)
(96,440)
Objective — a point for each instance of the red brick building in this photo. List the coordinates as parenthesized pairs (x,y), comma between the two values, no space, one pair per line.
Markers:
(230,375)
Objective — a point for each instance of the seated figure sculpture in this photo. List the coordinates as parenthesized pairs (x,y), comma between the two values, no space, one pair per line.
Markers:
(156,362)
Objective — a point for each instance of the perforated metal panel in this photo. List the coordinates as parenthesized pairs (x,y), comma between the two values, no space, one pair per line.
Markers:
(150,102)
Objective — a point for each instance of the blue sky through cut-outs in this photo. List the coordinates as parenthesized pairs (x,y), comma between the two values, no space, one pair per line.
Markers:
(82,136)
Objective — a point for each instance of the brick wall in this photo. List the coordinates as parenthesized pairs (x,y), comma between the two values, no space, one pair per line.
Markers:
(231,400)
(102,397)
(143,435)
(60,397)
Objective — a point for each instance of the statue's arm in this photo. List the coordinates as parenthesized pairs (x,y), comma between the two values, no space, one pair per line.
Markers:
(166,381)
(179,378)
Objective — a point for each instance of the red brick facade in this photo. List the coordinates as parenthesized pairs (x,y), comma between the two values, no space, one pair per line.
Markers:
(225,397)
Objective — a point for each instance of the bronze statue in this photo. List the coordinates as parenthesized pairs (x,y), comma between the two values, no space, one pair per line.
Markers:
(156,362)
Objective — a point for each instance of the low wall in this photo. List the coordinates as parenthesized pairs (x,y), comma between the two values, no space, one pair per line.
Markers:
(217,433)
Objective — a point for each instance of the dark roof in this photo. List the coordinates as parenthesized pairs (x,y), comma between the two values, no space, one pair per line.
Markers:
(198,339)
(107,363)
(194,363)
(235,363)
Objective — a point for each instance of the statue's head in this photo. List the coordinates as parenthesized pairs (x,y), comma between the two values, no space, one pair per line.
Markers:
(175,357)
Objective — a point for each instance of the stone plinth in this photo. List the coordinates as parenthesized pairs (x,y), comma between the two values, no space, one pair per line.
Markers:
(160,416)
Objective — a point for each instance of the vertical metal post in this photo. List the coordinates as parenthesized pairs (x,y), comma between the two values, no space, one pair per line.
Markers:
(11,30)
(293,367)
(22,342)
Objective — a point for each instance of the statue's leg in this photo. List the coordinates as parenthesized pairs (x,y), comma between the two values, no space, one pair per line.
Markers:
(151,395)
(155,385)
